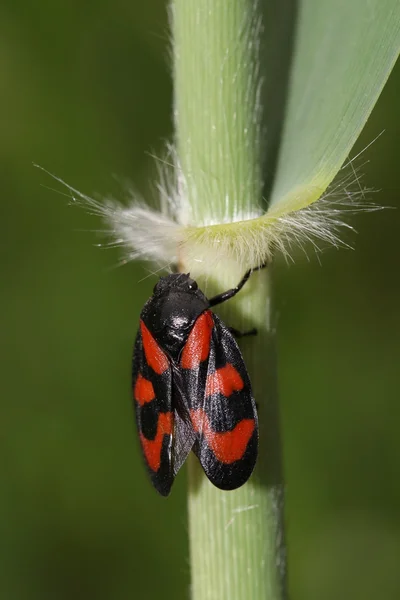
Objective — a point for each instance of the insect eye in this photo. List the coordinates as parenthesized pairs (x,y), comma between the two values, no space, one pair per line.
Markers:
(193,286)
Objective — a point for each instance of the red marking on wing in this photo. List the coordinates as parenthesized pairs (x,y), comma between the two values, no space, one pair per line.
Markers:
(197,347)
(225,381)
(155,357)
(144,391)
(152,448)
(227,446)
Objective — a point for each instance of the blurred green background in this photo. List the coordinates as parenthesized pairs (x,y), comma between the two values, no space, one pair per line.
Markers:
(86,93)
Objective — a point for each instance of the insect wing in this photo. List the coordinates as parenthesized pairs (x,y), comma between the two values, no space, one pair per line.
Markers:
(224,416)
(152,393)
(189,377)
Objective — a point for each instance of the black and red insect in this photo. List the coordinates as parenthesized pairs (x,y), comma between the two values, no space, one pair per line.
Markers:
(191,388)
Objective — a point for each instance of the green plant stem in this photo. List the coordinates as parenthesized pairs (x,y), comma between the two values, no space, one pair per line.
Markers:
(236,538)
(218,107)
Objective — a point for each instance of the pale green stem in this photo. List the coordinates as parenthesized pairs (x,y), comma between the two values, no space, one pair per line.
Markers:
(236,538)
(218,107)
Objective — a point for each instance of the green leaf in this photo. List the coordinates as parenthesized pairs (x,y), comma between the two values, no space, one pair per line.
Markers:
(344,52)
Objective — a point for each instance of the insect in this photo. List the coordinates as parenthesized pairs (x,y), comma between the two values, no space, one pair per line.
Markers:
(191,388)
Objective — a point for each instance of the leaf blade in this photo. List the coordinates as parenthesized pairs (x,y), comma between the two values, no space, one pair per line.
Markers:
(343,56)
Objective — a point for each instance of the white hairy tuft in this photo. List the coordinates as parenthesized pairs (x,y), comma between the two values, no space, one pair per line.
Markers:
(256,241)
(142,232)
(167,236)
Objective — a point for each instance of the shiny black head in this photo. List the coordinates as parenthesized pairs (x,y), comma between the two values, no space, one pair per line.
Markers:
(176,282)
(172,310)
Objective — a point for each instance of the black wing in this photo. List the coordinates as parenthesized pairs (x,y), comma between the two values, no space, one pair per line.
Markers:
(221,408)
(152,393)
(165,431)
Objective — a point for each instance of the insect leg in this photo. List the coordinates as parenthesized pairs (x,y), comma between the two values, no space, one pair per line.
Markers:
(232,292)
(240,334)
